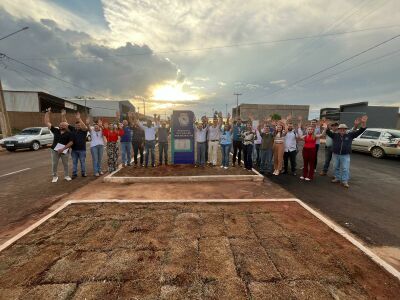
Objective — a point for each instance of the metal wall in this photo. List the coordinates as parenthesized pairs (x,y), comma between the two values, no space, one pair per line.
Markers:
(21,101)
(261,111)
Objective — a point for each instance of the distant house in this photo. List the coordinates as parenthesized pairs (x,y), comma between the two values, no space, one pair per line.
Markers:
(27,108)
(106,108)
(378,116)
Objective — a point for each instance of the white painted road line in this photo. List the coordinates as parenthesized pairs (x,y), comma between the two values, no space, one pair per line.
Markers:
(19,171)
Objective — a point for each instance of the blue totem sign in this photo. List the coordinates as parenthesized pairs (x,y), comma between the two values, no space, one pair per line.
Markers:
(182,137)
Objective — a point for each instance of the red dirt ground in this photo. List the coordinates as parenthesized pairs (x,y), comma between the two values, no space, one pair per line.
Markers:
(189,251)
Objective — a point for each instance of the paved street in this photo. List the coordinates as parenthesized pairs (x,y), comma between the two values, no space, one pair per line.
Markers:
(370,208)
(26,188)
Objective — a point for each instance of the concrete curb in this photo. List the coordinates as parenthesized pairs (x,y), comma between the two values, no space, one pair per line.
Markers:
(203,178)
(337,228)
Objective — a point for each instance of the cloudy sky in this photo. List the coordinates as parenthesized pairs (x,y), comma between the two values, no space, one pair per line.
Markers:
(194,54)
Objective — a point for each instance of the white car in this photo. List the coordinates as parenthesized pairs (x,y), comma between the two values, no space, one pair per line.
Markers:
(33,138)
(379,142)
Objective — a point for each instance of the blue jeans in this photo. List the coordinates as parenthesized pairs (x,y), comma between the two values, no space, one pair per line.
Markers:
(162,149)
(126,152)
(248,156)
(201,154)
(81,156)
(328,158)
(97,157)
(225,149)
(342,167)
(150,146)
(266,164)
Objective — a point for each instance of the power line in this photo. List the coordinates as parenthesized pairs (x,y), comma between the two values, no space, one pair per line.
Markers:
(354,67)
(2,55)
(216,47)
(334,65)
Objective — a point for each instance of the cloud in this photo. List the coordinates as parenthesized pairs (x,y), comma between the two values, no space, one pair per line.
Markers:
(221,83)
(113,72)
(281,82)
(251,86)
(201,78)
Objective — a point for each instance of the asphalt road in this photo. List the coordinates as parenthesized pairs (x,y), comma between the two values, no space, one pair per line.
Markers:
(25,184)
(370,208)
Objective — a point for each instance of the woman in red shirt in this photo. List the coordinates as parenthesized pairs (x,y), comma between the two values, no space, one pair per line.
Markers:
(111,134)
(309,151)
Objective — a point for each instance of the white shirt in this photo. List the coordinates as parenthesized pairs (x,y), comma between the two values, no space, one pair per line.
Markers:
(149,132)
(200,134)
(290,141)
(258,137)
(96,137)
(214,133)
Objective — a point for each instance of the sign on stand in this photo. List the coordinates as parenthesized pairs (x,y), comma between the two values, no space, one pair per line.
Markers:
(182,137)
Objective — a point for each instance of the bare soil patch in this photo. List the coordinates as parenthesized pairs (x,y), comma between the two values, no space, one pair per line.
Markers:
(180,170)
(189,251)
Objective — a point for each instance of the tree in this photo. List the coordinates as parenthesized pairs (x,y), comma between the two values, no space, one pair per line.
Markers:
(276,117)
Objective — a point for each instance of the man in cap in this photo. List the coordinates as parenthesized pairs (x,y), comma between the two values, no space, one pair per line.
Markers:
(341,148)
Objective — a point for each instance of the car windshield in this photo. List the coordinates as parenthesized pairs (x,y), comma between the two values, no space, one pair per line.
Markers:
(394,134)
(30,131)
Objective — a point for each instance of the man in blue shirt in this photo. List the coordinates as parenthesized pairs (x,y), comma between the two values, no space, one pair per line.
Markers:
(126,144)
(238,129)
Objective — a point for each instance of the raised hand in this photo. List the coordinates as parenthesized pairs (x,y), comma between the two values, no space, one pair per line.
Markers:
(357,122)
(300,118)
(289,117)
(364,119)
(229,116)
(48,110)
(117,114)
(78,115)
(100,122)
(63,112)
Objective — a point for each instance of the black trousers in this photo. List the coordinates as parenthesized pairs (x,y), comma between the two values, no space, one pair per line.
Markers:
(316,155)
(138,148)
(292,157)
(237,151)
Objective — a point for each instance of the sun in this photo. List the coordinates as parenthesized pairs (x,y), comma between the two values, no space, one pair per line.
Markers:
(172,92)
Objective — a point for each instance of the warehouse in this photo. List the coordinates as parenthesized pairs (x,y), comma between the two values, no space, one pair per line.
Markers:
(27,108)
(106,108)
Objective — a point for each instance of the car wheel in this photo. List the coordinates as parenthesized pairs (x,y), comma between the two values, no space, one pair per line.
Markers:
(377,152)
(35,146)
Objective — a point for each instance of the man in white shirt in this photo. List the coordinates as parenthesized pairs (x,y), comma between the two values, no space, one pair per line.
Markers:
(290,150)
(200,133)
(150,139)
(214,132)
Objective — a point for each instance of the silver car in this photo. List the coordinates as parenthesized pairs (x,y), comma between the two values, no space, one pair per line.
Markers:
(379,142)
(33,138)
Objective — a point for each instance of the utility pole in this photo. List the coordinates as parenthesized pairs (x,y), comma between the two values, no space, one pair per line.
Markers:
(4,119)
(237,103)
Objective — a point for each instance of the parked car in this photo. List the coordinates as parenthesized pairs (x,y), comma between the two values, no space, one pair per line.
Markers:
(379,142)
(33,138)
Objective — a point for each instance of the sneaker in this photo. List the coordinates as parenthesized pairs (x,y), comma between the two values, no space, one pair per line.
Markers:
(84,175)
(334,180)
(74,176)
(67,178)
(294,174)
(101,172)
(97,174)
(322,173)
(55,179)
(226,168)
(129,164)
(222,166)
(301,177)
(346,184)
(307,179)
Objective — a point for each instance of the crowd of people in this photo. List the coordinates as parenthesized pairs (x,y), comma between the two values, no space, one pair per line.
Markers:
(267,145)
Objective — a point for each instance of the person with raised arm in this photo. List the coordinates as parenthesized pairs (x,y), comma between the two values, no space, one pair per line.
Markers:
(61,144)
(279,147)
(266,148)
(341,148)
(150,139)
(226,142)
(290,147)
(309,149)
(213,136)
(163,133)
(200,134)
(137,141)
(112,132)
(126,142)
(96,144)
(248,137)
(79,135)
(237,143)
